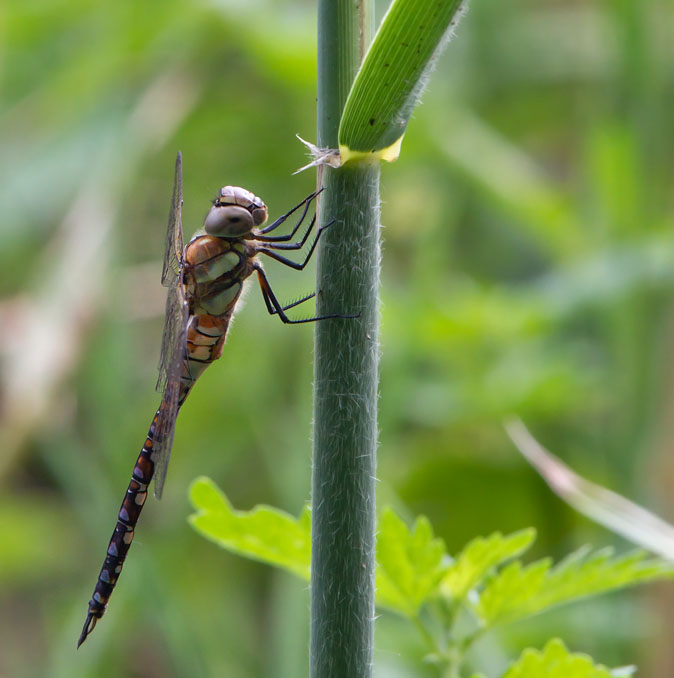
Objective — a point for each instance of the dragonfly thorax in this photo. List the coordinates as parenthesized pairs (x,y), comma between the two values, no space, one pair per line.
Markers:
(235,213)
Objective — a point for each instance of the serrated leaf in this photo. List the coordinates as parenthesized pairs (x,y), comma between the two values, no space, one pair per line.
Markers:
(518,592)
(263,533)
(481,555)
(577,577)
(511,589)
(555,661)
(410,563)
(392,76)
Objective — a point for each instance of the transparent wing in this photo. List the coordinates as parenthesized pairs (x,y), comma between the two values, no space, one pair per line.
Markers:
(173,254)
(173,347)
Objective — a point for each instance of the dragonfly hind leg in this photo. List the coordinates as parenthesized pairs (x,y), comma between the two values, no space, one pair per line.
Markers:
(275,308)
(297,302)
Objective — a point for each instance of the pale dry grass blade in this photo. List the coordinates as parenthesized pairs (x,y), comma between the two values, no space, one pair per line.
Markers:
(598,503)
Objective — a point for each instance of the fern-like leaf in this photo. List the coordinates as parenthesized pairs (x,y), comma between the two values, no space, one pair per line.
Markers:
(555,661)
(518,591)
(480,556)
(410,563)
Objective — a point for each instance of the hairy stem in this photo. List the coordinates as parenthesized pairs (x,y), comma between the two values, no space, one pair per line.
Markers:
(346,372)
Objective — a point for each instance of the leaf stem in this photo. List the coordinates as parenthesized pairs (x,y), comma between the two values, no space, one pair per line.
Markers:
(426,634)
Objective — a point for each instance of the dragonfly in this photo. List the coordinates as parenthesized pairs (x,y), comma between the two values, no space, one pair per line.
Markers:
(204,281)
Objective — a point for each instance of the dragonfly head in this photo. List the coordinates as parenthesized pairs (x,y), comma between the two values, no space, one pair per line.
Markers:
(235,213)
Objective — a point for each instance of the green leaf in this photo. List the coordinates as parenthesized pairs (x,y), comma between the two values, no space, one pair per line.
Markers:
(555,661)
(263,533)
(410,563)
(480,556)
(577,576)
(511,590)
(518,591)
(393,75)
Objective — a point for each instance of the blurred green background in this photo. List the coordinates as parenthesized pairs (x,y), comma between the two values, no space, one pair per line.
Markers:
(528,268)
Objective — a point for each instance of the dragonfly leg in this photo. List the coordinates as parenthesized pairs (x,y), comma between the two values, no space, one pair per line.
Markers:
(292,245)
(273,311)
(296,303)
(293,264)
(274,305)
(272,227)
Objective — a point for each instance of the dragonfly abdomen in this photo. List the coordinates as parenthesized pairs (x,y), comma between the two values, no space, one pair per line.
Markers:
(122,536)
(205,340)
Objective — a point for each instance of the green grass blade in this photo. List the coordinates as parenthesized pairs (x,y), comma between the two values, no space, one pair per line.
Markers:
(393,75)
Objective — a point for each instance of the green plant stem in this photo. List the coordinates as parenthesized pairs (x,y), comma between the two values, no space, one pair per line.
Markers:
(428,637)
(346,373)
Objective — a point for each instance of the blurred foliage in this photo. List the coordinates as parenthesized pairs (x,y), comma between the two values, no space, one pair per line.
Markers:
(452,602)
(557,662)
(527,268)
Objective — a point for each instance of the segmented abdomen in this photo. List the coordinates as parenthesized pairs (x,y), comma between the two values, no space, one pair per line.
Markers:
(205,338)
(214,273)
(129,512)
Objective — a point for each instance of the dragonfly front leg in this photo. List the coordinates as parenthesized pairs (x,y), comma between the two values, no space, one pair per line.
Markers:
(267,249)
(274,245)
(272,227)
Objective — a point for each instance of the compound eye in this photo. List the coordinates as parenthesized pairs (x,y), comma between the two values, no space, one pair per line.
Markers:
(259,215)
(228,221)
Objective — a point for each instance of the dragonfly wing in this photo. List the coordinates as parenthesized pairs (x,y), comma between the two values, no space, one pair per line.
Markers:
(173,254)
(171,278)
(173,349)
